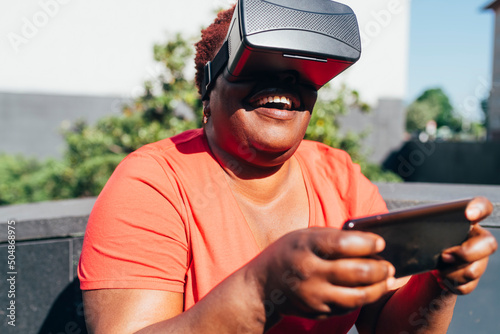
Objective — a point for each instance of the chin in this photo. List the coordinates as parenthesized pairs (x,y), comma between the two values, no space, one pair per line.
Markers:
(274,152)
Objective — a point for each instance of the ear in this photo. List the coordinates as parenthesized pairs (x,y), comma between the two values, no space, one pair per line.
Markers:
(206,104)
(206,108)
(206,111)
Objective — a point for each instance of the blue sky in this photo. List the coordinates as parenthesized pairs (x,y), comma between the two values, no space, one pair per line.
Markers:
(451,45)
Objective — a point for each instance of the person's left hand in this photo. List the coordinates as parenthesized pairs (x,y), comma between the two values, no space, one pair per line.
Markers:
(469,260)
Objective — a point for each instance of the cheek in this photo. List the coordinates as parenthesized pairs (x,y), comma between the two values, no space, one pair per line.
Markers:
(229,127)
(309,97)
(235,90)
(305,122)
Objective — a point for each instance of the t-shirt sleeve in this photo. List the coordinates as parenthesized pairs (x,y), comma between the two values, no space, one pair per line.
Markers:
(136,236)
(358,195)
(369,201)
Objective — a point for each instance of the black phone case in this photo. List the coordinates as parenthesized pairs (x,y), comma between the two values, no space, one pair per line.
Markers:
(416,237)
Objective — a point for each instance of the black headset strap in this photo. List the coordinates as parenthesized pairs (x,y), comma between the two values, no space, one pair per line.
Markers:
(213,69)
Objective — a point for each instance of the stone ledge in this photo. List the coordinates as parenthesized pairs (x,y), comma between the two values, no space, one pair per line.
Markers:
(47,220)
(68,218)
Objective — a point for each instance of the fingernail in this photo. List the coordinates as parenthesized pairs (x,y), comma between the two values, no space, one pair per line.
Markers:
(473,213)
(392,271)
(448,258)
(390,282)
(379,245)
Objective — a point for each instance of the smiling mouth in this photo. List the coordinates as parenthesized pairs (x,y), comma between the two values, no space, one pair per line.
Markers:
(275,99)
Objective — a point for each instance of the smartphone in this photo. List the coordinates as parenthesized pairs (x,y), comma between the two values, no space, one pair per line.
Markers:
(415,237)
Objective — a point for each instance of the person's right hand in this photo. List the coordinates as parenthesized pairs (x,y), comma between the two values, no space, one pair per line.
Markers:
(320,272)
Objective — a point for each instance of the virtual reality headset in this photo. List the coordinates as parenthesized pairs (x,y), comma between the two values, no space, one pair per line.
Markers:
(317,39)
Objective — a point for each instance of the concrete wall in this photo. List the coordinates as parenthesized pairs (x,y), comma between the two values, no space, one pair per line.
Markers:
(447,162)
(384,128)
(49,238)
(30,123)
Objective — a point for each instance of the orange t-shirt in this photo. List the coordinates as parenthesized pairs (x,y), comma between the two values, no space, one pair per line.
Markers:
(167,220)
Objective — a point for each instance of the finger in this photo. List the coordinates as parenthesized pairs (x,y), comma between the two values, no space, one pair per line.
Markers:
(329,243)
(466,273)
(355,272)
(478,209)
(351,298)
(466,288)
(456,288)
(481,243)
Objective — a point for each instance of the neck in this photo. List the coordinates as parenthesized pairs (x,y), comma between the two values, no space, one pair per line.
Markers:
(266,187)
(258,184)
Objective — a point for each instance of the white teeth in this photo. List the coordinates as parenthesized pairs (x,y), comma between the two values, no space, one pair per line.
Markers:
(276,99)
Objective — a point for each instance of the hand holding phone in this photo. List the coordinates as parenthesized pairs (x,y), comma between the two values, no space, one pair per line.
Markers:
(416,237)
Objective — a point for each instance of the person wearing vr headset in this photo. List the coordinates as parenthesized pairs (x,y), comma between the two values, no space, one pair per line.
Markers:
(235,228)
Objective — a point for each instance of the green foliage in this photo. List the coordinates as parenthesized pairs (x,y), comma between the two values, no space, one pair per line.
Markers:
(93,152)
(485,109)
(324,127)
(24,180)
(418,114)
(13,171)
(435,105)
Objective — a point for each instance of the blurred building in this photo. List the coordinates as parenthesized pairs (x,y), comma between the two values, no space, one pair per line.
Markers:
(494,100)
(381,75)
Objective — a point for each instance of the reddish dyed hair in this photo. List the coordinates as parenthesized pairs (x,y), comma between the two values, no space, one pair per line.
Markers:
(212,39)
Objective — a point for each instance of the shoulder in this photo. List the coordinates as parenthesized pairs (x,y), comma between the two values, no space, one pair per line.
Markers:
(159,155)
(155,167)
(323,158)
(313,148)
(186,142)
